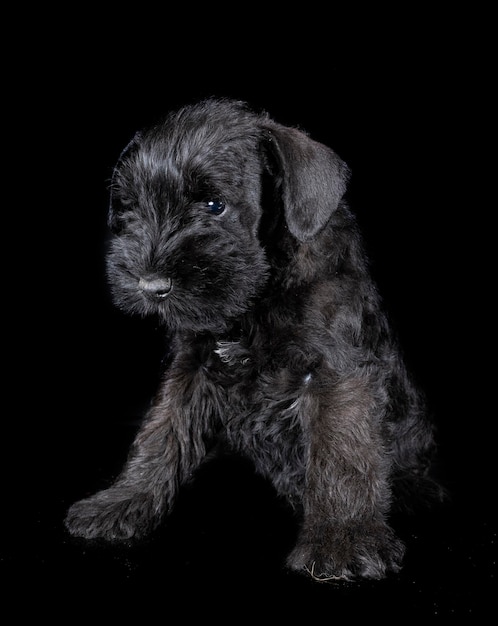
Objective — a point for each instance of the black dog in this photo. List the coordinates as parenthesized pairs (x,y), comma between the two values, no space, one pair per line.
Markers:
(233,230)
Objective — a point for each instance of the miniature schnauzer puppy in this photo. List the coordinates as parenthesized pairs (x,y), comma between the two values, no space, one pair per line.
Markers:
(233,230)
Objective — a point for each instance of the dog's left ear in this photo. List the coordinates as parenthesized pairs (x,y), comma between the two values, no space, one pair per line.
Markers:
(314,180)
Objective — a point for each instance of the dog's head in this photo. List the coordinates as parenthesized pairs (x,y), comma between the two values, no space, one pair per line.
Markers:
(195,201)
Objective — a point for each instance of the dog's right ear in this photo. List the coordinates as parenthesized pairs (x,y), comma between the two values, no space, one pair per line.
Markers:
(313,177)
(117,182)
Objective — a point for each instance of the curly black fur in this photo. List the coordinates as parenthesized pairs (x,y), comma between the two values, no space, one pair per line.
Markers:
(234,231)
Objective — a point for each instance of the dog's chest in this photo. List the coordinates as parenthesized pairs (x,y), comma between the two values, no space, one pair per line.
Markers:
(257,378)
(233,353)
(266,399)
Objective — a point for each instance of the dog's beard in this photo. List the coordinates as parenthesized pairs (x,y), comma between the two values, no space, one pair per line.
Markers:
(186,310)
(207,293)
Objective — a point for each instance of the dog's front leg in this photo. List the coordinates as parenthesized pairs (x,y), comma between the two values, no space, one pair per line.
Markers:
(167,449)
(346,499)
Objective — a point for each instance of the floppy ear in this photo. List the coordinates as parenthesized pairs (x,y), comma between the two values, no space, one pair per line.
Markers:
(314,180)
(114,209)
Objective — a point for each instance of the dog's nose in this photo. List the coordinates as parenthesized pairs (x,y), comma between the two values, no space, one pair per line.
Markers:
(157,288)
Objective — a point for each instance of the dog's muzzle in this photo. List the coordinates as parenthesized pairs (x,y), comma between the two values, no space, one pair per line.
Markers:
(156,288)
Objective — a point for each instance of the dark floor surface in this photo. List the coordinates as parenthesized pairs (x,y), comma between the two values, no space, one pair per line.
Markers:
(224,546)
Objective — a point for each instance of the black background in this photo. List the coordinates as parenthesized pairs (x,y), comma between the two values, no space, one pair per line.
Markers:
(405,101)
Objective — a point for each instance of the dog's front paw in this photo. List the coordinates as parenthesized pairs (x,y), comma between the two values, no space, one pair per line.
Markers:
(368,551)
(112,514)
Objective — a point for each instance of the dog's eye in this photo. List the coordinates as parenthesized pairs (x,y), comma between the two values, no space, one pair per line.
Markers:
(215,207)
